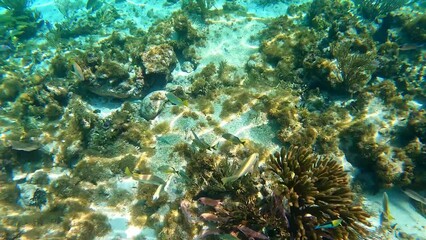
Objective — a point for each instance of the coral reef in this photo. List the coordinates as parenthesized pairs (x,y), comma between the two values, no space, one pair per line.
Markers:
(355,69)
(296,192)
(370,9)
(159,59)
(19,20)
(87,99)
(316,191)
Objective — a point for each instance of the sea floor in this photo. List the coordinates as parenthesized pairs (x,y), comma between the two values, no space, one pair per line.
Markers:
(229,38)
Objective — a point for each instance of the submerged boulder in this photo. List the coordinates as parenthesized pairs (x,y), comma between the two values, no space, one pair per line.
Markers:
(152,104)
(159,59)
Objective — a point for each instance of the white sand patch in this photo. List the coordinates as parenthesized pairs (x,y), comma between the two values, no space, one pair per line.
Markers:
(229,40)
(104,107)
(119,221)
(407,218)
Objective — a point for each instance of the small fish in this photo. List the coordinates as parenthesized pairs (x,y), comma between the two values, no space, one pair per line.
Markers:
(128,172)
(5,48)
(93,4)
(166,169)
(207,232)
(201,143)
(78,71)
(251,234)
(213,218)
(386,215)
(209,202)
(184,207)
(410,46)
(145,178)
(227,237)
(232,138)
(175,100)
(331,224)
(49,25)
(414,195)
(25,146)
(245,168)
(157,192)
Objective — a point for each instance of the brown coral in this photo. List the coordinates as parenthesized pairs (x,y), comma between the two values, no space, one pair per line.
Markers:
(316,190)
(159,59)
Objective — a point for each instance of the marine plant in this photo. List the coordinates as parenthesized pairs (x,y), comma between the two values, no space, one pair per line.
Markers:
(415,29)
(315,190)
(68,8)
(18,20)
(265,3)
(323,14)
(197,7)
(354,68)
(295,193)
(371,9)
(17,7)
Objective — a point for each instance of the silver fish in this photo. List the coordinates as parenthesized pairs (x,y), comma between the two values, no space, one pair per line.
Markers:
(414,195)
(201,143)
(78,71)
(232,138)
(244,169)
(25,146)
(175,100)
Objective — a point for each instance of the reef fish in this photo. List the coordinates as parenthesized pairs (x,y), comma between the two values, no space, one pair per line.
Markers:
(414,195)
(209,202)
(93,4)
(410,46)
(206,233)
(145,178)
(175,100)
(157,192)
(386,215)
(245,168)
(5,48)
(185,206)
(78,71)
(210,217)
(232,138)
(251,234)
(330,224)
(25,146)
(201,143)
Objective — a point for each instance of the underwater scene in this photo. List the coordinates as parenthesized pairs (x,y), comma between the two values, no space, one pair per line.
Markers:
(213,119)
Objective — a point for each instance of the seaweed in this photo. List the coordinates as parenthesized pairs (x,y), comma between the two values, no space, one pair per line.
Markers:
(355,68)
(198,7)
(19,21)
(371,9)
(17,7)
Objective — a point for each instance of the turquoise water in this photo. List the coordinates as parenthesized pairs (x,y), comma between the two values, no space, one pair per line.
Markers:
(212,119)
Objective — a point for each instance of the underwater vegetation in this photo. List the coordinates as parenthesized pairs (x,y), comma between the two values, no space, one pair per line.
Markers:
(371,9)
(17,7)
(317,191)
(18,22)
(355,68)
(197,7)
(184,150)
(305,192)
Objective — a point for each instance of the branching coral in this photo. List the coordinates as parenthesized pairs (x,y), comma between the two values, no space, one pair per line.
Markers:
(355,68)
(316,190)
(296,192)
(371,9)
